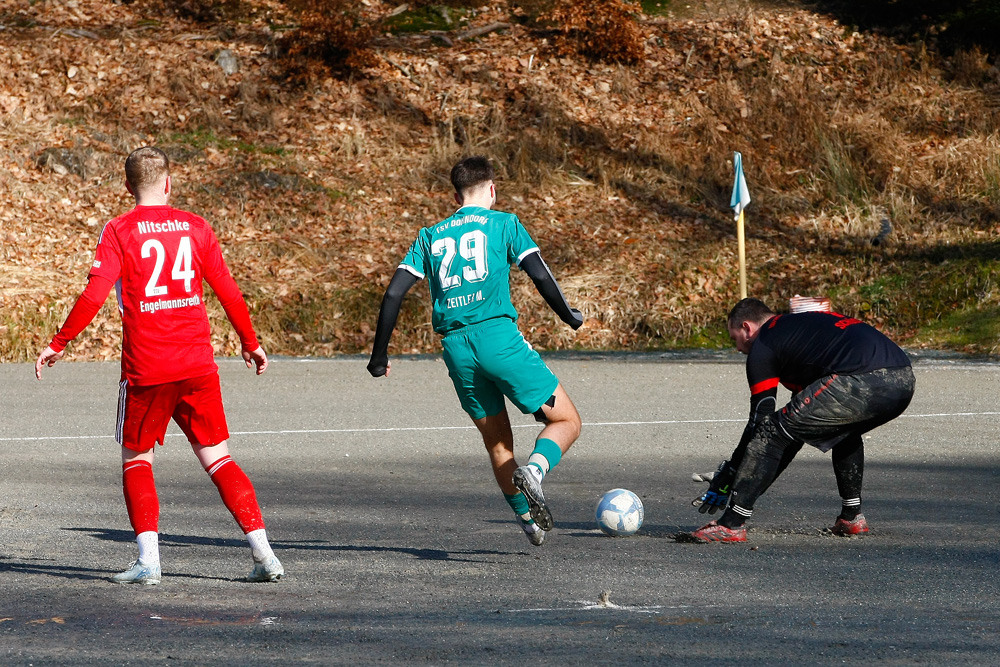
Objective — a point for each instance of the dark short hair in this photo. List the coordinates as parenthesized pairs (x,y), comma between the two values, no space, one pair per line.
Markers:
(470,172)
(749,310)
(146,166)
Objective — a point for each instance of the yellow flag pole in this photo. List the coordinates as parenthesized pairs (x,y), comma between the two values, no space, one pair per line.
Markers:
(742,250)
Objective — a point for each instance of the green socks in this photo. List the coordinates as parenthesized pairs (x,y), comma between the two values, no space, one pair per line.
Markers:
(519,504)
(545,456)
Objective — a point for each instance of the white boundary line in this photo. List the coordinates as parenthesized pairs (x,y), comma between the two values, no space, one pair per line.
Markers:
(393,429)
(607,606)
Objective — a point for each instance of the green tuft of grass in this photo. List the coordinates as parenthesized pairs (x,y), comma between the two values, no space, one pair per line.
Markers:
(881,297)
(655,7)
(965,329)
(430,17)
(712,336)
(201,138)
(991,177)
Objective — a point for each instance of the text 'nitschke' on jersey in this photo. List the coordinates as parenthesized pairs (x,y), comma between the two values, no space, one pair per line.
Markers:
(160,227)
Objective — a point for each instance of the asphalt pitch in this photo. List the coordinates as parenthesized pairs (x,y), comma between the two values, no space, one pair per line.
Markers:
(399,548)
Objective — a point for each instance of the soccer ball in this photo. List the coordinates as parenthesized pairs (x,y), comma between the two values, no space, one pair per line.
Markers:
(619,513)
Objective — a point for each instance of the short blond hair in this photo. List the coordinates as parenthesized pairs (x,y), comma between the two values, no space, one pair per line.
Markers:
(145,167)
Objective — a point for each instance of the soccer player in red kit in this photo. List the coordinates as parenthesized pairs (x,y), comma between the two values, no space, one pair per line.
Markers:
(156,257)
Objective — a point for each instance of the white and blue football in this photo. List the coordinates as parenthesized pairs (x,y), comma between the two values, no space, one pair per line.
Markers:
(619,513)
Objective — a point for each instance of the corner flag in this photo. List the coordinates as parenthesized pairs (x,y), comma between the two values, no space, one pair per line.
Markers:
(741,195)
(738,202)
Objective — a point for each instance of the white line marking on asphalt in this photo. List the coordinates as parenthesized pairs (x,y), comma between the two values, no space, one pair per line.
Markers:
(587,605)
(391,429)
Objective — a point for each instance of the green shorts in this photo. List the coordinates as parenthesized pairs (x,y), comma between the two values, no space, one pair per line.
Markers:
(490,360)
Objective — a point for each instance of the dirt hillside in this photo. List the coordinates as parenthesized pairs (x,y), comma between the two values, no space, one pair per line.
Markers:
(622,173)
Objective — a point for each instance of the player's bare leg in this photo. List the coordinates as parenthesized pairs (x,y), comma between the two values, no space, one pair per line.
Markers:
(499,441)
(238,494)
(143,508)
(562,428)
(562,421)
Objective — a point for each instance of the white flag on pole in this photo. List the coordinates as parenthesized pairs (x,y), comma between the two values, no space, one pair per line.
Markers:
(741,195)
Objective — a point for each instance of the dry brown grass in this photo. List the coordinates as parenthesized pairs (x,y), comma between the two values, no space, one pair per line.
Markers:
(602,29)
(622,173)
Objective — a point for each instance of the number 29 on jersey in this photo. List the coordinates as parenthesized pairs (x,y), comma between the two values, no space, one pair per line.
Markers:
(472,247)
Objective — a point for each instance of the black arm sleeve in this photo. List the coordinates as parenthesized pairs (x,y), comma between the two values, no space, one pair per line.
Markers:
(762,378)
(547,286)
(762,405)
(737,456)
(400,284)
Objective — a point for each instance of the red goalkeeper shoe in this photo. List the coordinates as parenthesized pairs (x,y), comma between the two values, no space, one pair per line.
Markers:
(713,532)
(844,528)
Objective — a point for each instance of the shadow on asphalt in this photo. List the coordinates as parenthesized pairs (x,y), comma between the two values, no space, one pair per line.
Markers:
(32,566)
(29,566)
(167,539)
(420,554)
(589,530)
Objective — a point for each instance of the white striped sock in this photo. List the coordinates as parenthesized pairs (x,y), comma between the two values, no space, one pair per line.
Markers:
(742,511)
(149,547)
(259,545)
(540,463)
(218,464)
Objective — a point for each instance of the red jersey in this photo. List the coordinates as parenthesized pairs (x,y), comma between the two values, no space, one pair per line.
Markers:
(157,256)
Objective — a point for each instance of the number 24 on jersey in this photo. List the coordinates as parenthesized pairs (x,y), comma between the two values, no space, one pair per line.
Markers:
(181,270)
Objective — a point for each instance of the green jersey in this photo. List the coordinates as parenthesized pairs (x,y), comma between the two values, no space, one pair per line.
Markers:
(467,260)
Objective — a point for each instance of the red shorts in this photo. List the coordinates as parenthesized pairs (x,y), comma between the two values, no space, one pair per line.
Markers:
(195,404)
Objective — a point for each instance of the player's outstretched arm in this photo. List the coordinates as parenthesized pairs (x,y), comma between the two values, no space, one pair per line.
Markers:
(216,274)
(720,484)
(83,312)
(547,286)
(400,284)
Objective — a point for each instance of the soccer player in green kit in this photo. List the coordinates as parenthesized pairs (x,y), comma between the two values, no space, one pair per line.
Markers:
(466,259)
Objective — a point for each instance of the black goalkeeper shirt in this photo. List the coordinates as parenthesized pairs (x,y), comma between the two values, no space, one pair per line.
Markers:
(800,348)
(796,350)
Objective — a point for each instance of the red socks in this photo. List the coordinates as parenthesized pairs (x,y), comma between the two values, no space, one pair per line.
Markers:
(140,496)
(237,493)
(234,486)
